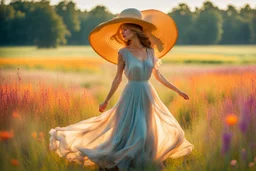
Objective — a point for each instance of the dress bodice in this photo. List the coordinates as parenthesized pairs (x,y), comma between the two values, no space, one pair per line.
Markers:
(136,69)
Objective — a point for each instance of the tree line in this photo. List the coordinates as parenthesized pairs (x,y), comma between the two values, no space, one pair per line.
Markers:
(44,25)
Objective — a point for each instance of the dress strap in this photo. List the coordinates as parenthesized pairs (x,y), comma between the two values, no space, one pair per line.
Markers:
(150,55)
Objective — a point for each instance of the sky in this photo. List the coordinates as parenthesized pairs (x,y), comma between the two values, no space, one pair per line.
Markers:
(116,6)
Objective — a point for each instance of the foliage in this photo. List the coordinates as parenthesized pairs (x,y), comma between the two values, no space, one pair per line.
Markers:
(38,23)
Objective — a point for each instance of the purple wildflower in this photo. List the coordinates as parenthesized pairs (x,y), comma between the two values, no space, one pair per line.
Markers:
(226,139)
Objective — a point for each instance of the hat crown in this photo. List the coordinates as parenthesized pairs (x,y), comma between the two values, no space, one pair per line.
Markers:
(131,12)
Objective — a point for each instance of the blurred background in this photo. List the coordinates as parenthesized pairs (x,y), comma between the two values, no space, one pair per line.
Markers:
(63,23)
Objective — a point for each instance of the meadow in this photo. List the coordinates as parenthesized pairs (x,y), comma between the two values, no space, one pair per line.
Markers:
(42,89)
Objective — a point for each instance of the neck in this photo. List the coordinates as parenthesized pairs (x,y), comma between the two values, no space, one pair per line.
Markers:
(135,43)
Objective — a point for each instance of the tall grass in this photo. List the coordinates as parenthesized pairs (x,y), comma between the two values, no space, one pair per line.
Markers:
(219,119)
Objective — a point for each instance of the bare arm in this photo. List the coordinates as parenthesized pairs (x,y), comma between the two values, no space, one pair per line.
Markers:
(159,77)
(118,78)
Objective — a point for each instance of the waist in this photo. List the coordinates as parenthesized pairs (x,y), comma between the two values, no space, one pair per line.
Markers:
(138,81)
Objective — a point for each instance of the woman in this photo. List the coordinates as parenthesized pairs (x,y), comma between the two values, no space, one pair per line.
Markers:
(139,129)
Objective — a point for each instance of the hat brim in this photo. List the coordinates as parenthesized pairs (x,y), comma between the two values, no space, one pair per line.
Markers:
(160,26)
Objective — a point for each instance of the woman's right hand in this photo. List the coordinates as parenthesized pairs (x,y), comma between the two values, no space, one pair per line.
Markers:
(103,106)
(184,95)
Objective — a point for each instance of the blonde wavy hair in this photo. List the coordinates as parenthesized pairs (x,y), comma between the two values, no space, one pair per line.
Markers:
(143,38)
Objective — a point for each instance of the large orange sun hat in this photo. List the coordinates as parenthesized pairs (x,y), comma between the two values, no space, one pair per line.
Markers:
(159,27)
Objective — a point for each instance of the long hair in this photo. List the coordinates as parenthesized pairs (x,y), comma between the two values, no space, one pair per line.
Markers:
(143,38)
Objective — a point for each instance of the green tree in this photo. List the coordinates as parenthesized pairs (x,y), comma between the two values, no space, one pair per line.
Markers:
(253,30)
(236,28)
(67,10)
(89,20)
(49,29)
(21,27)
(37,23)
(249,15)
(183,18)
(208,25)
(7,15)
(246,12)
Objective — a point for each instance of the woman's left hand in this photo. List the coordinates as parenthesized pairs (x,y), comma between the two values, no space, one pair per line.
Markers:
(184,95)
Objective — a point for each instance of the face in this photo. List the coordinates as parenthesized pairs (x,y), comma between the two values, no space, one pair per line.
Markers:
(127,33)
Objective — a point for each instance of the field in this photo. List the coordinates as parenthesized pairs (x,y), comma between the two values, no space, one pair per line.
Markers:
(42,89)
(82,58)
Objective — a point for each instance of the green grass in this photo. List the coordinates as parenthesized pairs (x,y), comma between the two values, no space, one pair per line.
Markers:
(239,54)
(87,51)
(228,50)
(29,57)
(32,51)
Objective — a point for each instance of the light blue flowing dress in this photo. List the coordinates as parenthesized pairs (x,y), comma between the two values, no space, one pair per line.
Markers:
(138,129)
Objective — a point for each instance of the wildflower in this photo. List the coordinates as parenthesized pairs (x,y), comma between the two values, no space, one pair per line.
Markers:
(16,115)
(5,135)
(251,164)
(244,124)
(247,113)
(244,153)
(226,139)
(34,134)
(233,162)
(14,162)
(41,134)
(231,119)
